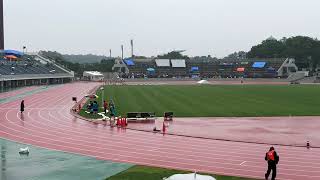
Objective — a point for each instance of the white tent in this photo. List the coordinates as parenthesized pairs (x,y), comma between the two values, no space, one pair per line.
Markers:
(203,82)
(192,176)
(93,75)
(163,62)
(178,63)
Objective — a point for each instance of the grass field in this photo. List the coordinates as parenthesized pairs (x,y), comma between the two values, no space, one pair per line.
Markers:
(149,173)
(217,100)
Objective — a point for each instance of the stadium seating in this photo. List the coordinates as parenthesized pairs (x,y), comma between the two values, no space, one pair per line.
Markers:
(206,68)
(28,65)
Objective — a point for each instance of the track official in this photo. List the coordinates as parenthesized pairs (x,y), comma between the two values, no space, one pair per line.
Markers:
(272,158)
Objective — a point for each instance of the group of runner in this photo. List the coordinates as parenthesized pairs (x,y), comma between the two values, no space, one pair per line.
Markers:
(93,107)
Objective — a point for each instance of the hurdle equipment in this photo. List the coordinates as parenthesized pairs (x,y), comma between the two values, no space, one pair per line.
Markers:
(118,122)
(123,122)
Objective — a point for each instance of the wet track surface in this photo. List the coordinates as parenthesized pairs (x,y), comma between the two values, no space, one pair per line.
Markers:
(47,122)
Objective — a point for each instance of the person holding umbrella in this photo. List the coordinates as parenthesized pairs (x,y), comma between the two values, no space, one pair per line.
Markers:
(22,106)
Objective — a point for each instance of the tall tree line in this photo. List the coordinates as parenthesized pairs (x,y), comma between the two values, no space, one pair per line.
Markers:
(305,50)
(105,65)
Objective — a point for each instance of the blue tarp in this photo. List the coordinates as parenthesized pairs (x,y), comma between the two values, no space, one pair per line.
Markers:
(13,52)
(129,62)
(194,68)
(259,64)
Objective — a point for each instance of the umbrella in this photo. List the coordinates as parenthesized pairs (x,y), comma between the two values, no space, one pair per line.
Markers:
(11,57)
(92,96)
(240,69)
(150,69)
(192,176)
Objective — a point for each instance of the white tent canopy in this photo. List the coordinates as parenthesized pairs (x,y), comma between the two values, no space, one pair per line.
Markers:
(93,75)
(163,62)
(192,176)
(178,63)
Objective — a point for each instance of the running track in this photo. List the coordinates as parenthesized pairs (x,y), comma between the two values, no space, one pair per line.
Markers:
(47,123)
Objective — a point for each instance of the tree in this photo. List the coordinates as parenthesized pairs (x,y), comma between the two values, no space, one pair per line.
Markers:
(104,65)
(237,55)
(305,50)
(269,48)
(173,55)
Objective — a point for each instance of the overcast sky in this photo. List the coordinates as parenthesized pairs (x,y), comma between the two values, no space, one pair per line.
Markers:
(202,27)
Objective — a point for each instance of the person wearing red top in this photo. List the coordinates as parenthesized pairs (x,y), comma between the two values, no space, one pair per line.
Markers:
(105,106)
(272,158)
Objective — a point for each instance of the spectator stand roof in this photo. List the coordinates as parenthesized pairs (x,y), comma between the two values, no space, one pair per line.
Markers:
(259,64)
(178,63)
(12,52)
(194,68)
(163,62)
(129,62)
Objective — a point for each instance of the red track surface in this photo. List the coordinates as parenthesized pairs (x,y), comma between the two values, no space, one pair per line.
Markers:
(289,131)
(15,92)
(47,123)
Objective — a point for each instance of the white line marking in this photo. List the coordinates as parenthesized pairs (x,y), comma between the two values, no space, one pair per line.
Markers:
(242,163)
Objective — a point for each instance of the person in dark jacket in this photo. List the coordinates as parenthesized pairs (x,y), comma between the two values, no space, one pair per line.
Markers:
(22,106)
(272,158)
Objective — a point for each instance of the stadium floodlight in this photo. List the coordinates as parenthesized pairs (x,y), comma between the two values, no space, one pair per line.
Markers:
(1,26)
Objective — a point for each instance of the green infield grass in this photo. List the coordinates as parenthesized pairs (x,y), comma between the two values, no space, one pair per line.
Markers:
(150,173)
(216,100)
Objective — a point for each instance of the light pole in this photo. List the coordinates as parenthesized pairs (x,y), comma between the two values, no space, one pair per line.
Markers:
(1,26)
(121,52)
(102,96)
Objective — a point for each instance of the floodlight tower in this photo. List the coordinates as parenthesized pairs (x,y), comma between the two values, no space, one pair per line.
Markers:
(131,42)
(1,26)
(121,52)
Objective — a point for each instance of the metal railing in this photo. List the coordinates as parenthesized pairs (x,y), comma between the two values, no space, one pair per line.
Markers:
(34,76)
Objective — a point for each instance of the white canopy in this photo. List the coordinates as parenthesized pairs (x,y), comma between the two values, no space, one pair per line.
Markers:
(191,176)
(92,73)
(178,63)
(163,62)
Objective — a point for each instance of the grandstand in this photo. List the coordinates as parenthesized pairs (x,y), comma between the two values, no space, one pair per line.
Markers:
(205,67)
(138,68)
(18,69)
